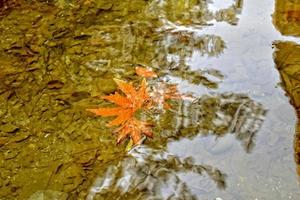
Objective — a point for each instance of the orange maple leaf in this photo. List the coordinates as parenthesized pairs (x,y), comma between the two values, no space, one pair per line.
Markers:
(134,129)
(163,92)
(127,105)
(132,100)
(145,72)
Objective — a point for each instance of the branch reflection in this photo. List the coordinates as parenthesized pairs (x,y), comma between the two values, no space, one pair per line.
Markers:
(215,115)
(149,174)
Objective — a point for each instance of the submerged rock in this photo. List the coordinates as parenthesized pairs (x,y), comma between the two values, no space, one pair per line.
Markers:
(9,128)
(286,17)
(289,69)
(48,195)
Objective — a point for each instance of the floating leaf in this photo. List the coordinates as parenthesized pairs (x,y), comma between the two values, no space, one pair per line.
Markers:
(127,106)
(118,99)
(145,72)
(134,129)
(163,92)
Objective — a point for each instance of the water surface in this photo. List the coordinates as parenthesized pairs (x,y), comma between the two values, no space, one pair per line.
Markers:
(234,141)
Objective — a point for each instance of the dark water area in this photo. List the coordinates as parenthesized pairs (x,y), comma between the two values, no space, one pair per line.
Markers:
(233,137)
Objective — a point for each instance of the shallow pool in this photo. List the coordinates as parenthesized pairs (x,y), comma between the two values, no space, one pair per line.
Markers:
(230,138)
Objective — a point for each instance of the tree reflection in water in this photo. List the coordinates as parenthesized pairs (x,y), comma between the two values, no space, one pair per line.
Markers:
(151,171)
(216,115)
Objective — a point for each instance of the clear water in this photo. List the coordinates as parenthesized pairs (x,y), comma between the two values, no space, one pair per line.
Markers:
(243,148)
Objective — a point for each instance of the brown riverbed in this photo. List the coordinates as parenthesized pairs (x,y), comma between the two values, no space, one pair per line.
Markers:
(235,140)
